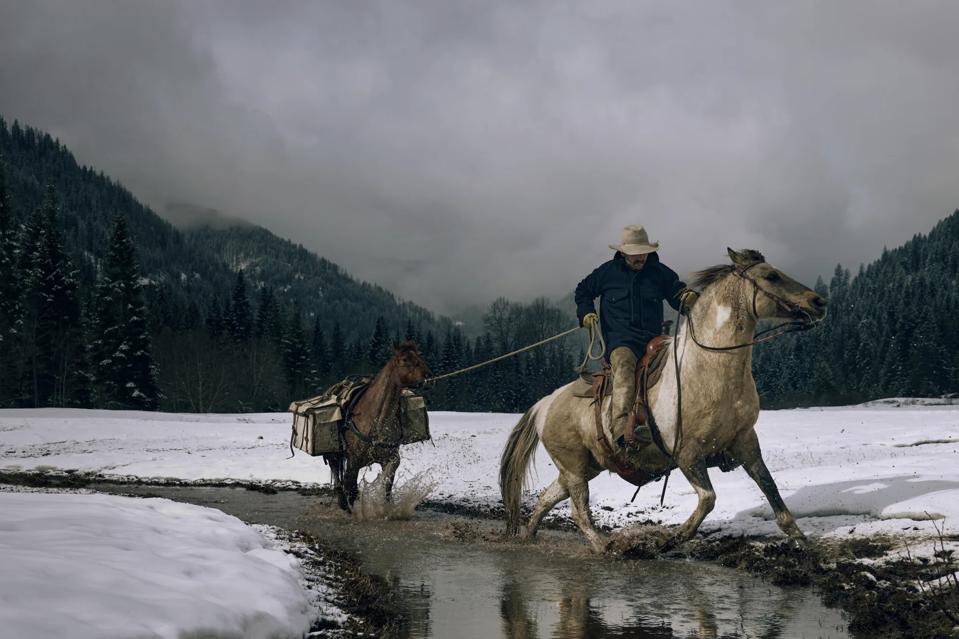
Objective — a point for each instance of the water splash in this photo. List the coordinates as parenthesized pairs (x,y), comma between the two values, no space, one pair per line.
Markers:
(371,504)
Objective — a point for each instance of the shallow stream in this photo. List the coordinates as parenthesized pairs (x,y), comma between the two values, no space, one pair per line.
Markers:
(457,579)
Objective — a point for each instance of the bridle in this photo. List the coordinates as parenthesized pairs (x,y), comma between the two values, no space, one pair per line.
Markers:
(792,326)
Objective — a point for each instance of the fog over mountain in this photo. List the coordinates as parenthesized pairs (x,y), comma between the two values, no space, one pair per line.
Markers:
(454,152)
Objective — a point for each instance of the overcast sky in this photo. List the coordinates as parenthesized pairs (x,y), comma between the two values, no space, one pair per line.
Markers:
(458,151)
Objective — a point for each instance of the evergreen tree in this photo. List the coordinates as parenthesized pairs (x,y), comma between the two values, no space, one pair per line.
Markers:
(378,351)
(239,319)
(296,355)
(321,355)
(11,311)
(53,337)
(124,373)
(337,352)
(265,313)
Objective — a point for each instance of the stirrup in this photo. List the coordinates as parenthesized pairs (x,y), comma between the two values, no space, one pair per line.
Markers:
(642,437)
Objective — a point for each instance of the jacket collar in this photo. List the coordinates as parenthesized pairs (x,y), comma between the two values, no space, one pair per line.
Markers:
(652,260)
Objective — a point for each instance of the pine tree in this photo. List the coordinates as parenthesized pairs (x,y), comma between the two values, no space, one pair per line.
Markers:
(239,319)
(265,313)
(11,311)
(321,356)
(337,352)
(124,372)
(296,355)
(379,345)
(53,338)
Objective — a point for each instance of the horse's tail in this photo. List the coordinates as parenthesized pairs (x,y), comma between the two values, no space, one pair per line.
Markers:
(513,465)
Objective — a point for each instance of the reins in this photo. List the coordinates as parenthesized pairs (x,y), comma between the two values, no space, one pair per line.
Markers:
(765,335)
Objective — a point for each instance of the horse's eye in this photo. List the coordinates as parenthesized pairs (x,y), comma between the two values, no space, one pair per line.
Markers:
(773,277)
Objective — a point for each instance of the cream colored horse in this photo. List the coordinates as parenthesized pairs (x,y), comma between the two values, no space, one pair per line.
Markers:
(720,404)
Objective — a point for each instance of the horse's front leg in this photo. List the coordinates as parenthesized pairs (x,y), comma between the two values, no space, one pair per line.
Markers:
(335,462)
(698,477)
(350,487)
(389,474)
(746,449)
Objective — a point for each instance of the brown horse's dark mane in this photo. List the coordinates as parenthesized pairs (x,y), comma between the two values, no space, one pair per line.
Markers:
(702,279)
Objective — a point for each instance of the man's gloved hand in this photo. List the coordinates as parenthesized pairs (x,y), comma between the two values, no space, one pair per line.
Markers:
(590,320)
(688,297)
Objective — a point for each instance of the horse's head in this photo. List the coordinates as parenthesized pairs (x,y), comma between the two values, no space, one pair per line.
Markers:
(411,368)
(775,295)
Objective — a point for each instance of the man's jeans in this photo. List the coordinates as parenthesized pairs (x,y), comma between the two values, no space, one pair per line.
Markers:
(622,361)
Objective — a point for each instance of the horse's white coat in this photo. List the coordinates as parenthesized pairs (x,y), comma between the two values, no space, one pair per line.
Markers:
(541,408)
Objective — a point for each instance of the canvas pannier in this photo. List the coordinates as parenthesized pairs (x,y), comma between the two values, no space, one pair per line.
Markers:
(316,425)
(416,423)
(317,421)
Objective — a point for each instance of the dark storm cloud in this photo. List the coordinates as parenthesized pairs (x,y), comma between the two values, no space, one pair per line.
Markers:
(455,152)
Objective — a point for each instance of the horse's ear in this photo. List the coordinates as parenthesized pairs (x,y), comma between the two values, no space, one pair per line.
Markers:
(745,258)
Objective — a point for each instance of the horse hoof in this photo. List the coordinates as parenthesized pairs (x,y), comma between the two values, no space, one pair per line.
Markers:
(799,540)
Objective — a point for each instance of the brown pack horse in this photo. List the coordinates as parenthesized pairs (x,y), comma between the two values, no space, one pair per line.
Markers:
(374,430)
(720,404)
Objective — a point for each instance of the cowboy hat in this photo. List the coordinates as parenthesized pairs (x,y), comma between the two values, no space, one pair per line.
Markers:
(635,241)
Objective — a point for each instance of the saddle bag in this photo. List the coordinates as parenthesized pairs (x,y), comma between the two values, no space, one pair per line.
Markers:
(415,422)
(316,425)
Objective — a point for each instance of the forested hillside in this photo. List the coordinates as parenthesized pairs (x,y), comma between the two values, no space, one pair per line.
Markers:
(892,330)
(225,319)
(103,303)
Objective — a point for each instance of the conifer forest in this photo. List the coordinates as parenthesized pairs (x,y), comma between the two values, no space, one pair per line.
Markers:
(104,304)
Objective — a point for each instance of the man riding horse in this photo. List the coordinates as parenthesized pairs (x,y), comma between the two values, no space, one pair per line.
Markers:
(632,287)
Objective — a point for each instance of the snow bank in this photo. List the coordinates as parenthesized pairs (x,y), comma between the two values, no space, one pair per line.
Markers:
(100,566)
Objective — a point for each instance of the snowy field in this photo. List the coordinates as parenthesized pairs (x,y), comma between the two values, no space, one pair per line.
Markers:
(115,567)
(884,467)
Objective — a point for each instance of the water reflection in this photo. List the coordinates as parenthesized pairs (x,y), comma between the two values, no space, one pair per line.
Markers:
(471,585)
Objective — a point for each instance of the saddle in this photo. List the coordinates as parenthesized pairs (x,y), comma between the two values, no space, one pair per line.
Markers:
(648,371)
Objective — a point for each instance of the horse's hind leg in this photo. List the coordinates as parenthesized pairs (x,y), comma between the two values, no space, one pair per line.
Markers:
(554,493)
(389,474)
(746,449)
(698,477)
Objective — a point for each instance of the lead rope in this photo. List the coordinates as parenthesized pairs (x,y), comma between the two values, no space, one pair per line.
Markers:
(594,334)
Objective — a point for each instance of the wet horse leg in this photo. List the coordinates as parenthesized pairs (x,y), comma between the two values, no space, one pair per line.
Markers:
(578,486)
(554,493)
(746,449)
(698,477)
(350,487)
(389,474)
(335,462)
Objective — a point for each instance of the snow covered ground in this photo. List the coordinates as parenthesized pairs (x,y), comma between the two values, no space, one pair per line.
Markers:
(99,566)
(882,468)
(104,562)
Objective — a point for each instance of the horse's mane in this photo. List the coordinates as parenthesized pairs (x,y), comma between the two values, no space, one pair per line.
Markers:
(711,275)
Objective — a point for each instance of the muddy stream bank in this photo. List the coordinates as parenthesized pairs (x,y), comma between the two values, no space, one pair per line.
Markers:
(450,576)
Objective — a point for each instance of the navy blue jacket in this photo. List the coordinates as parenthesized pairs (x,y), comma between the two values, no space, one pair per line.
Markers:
(631,304)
